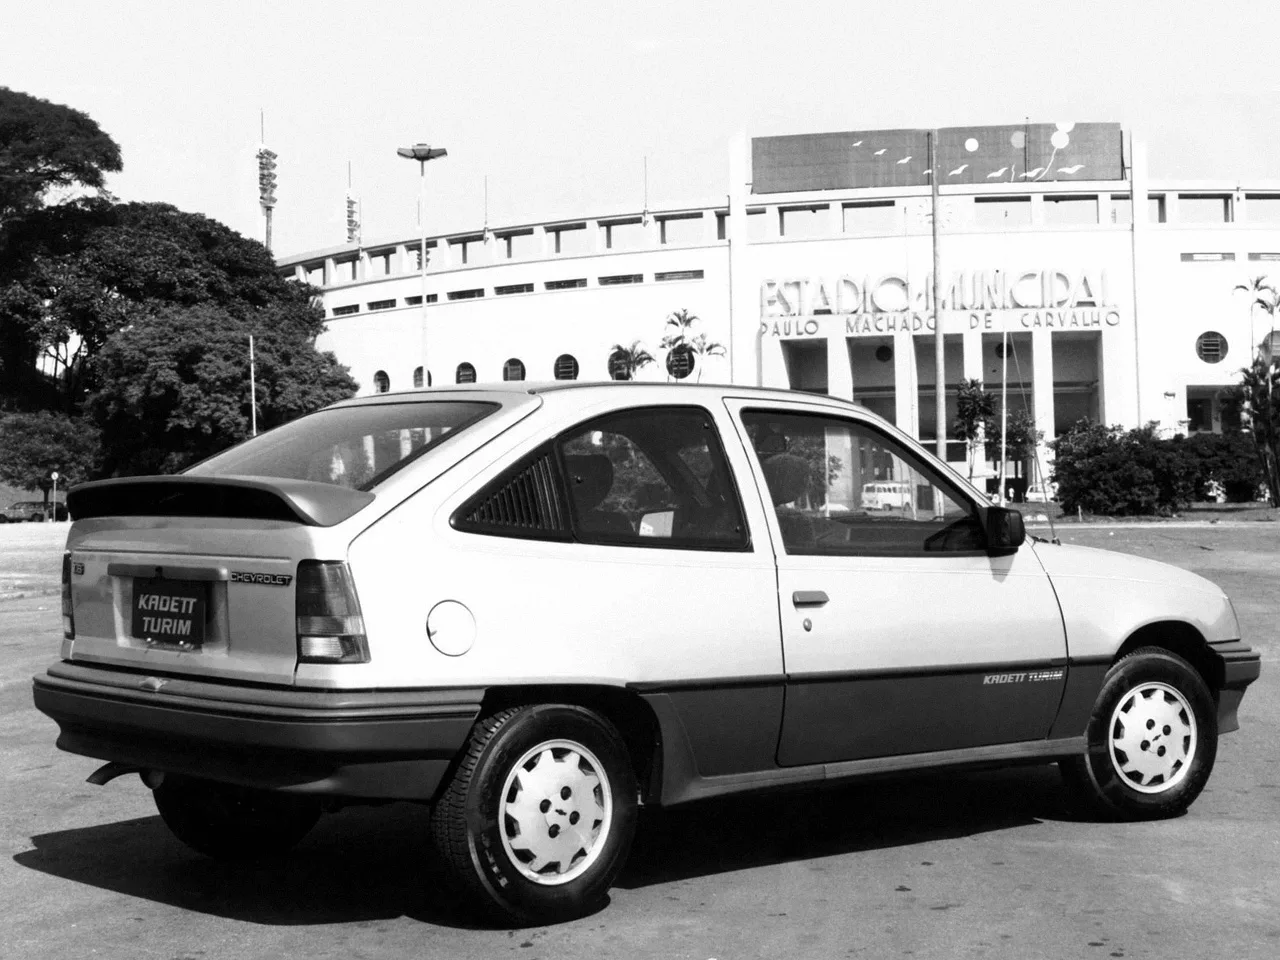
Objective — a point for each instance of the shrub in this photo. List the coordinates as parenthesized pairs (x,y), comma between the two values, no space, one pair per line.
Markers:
(1108,470)
(1230,460)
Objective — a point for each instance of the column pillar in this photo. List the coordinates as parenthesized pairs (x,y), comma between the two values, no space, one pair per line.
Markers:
(1042,391)
(906,407)
(839,368)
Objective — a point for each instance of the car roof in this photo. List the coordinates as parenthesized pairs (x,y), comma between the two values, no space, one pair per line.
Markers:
(515,389)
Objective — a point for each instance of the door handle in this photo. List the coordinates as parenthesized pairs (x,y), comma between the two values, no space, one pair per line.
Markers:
(808,598)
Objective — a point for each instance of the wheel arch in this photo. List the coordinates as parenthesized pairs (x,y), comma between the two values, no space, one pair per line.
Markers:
(1182,639)
(627,711)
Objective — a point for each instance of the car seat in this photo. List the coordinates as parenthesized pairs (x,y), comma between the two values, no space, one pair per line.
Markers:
(590,480)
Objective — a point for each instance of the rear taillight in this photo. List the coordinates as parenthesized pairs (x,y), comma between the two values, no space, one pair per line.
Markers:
(68,618)
(330,626)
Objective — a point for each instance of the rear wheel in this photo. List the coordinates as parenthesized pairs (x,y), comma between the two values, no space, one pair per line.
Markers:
(227,822)
(1152,740)
(539,817)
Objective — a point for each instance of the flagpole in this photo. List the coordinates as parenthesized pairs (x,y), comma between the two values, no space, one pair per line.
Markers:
(253,392)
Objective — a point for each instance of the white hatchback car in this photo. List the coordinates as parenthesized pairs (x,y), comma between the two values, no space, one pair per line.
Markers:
(536,607)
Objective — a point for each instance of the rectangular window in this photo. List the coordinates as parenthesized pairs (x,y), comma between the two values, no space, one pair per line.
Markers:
(1262,207)
(681,231)
(872,216)
(381,304)
(1266,257)
(678,275)
(315,275)
(417,301)
(757,224)
(722,226)
(572,240)
(465,249)
(565,284)
(346,311)
(1211,257)
(379,264)
(622,278)
(804,223)
(513,288)
(345,271)
(1070,211)
(466,294)
(1002,211)
(1155,208)
(520,246)
(629,235)
(1204,208)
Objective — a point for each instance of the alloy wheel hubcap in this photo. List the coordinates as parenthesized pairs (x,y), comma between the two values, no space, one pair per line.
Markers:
(555,812)
(1152,737)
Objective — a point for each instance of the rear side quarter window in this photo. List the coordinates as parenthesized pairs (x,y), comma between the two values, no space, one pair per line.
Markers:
(643,477)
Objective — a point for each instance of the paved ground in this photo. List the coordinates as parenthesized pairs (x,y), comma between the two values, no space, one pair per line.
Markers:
(983,865)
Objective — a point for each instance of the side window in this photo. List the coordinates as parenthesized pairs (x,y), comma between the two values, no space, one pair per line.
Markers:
(652,477)
(842,488)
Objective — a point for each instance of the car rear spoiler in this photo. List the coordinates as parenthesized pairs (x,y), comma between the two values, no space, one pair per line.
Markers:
(247,498)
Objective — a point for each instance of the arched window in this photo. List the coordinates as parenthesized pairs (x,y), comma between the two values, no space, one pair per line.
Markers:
(466,373)
(680,362)
(417,377)
(381,382)
(619,365)
(513,369)
(566,367)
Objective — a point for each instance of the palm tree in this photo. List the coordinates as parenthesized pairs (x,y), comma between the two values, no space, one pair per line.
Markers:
(703,347)
(1252,403)
(1268,298)
(625,361)
(682,322)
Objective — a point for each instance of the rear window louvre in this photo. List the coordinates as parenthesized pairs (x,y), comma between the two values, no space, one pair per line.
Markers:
(524,503)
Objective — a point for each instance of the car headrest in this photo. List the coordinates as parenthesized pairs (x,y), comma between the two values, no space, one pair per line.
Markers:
(590,479)
(787,476)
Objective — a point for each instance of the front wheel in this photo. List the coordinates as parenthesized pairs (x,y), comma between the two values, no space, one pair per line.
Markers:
(539,816)
(227,822)
(1152,740)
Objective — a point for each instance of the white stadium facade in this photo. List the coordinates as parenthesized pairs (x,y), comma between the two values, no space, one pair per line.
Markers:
(817,274)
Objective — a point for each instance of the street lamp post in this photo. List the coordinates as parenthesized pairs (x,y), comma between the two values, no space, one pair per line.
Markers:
(54,477)
(422,153)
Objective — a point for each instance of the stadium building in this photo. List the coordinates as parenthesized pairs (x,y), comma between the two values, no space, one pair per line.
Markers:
(1062,272)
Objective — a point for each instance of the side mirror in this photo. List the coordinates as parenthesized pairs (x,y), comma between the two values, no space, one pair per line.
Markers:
(1005,531)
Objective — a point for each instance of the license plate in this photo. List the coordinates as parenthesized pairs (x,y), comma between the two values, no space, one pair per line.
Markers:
(169,611)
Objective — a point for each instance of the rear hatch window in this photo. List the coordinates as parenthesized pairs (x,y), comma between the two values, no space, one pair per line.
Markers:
(356,447)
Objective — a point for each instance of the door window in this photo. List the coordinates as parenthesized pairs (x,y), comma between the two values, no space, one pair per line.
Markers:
(841,487)
(652,477)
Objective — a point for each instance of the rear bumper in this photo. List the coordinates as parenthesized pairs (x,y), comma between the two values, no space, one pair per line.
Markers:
(1241,665)
(360,744)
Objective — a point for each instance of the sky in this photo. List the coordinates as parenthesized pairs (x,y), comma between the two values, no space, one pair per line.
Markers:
(554,109)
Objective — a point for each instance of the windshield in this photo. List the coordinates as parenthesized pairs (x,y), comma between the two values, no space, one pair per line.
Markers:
(355,447)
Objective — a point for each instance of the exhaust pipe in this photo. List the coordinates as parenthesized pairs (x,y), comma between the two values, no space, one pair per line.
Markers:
(109,771)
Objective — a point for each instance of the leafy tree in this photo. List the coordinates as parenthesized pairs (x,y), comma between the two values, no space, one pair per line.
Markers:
(77,276)
(1255,404)
(174,384)
(1021,440)
(1227,459)
(625,361)
(46,146)
(1108,470)
(974,407)
(1267,298)
(33,445)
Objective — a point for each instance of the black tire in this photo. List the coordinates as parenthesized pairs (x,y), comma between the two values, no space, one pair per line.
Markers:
(227,822)
(1157,764)
(502,804)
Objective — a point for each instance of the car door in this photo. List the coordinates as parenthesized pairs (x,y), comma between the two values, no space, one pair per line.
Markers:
(901,632)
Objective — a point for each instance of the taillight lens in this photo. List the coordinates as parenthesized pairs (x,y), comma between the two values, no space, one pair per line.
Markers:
(330,625)
(68,617)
